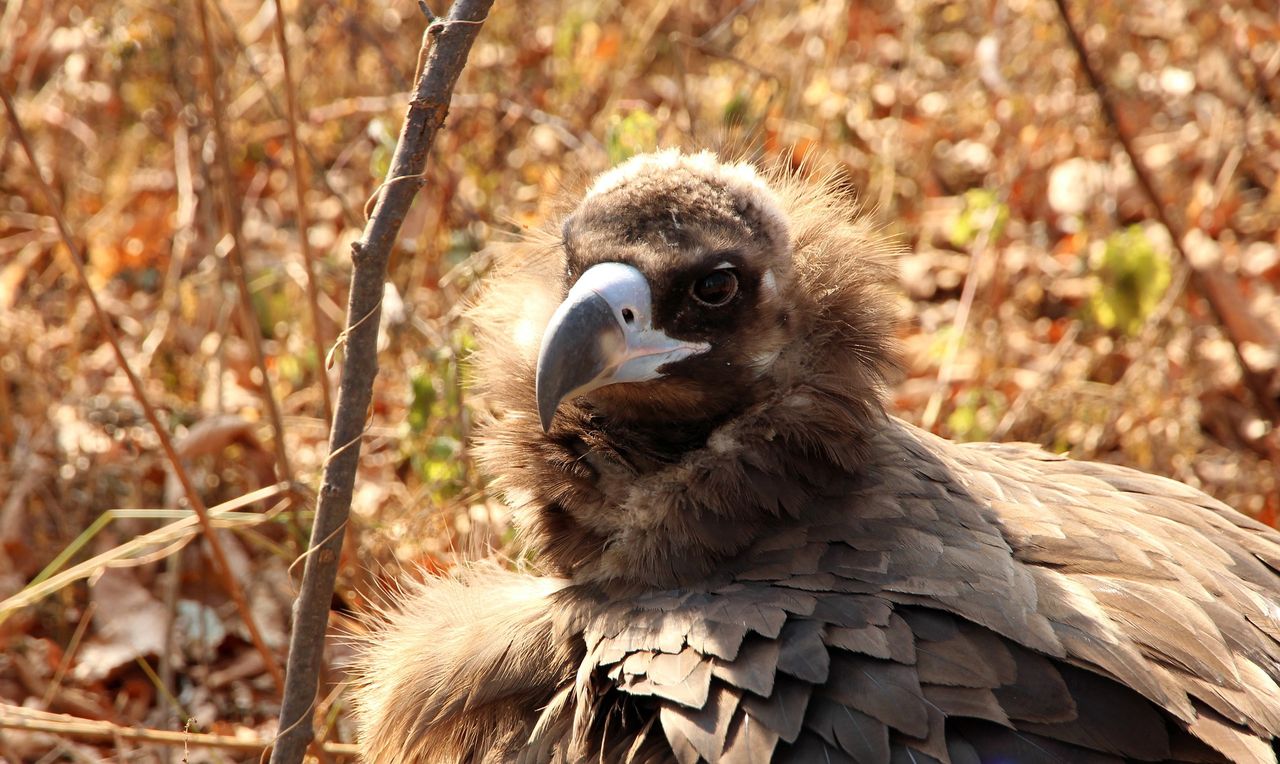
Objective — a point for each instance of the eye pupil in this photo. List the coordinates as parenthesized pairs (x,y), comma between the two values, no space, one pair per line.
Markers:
(717,287)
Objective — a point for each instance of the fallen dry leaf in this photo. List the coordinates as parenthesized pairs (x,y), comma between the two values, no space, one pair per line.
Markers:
(129,623)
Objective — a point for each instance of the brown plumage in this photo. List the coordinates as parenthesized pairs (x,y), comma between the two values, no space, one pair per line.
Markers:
(750,560)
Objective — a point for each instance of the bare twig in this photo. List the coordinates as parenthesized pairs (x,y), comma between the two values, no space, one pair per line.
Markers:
(1052,365)
(343,108)
(446,45)
(218,555)
(63,725)
(234,223)
(1259,384)
(170,582)
(233,34)
(68,655)
(304,221)
(977,264)
(175,535)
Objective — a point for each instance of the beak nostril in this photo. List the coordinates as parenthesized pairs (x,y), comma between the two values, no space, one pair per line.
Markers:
(628,315)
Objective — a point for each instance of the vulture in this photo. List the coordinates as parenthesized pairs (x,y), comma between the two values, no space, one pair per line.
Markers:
(743,557)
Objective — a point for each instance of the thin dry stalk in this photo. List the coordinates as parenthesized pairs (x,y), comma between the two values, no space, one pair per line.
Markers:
(233,34)
(6,417)
(1259,385)
(304,220)
(171,582)
(63,725)
(218,555)
(977,265)
(234,224)
(170,538)
(445,46)
(1056,359)
(69,655)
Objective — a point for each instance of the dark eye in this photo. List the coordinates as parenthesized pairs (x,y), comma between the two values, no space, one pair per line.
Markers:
(716,288)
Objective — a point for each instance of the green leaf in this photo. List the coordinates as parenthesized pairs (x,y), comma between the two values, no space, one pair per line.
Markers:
(982,209)
(633,134)
(272,302)
(976,415)
(424,397)
(737,111)
(1132,277)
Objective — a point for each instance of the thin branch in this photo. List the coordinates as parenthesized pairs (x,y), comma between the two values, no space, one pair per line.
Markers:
(175,535)
(982,249)
(235,226)
(1052,365)
(304,218)
(233,33)
(216,552)
(69,655)
(66,726)
(445,46)
(1259,384)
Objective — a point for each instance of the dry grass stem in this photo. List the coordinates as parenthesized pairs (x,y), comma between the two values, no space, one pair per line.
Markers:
(304,217)
(32,720)
(168,538)
(221,567)
(234,225)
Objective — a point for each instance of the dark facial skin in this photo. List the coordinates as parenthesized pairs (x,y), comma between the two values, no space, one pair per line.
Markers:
(683,258)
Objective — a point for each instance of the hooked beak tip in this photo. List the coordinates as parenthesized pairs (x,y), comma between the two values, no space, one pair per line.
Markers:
(581,343)
(602,334)
(546,412)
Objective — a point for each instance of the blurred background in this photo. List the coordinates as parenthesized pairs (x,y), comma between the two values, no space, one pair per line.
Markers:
(1042,300)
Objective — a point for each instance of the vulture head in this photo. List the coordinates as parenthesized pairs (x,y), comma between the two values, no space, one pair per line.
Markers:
(745,558)
(690,324)
(679,274)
